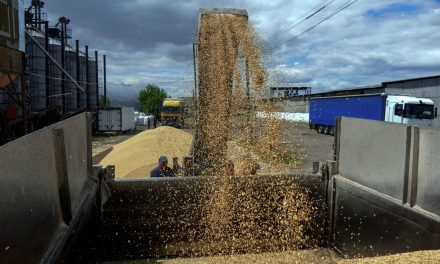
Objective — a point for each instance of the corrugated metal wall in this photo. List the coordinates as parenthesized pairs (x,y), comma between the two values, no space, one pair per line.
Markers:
(426,88)
(71,88)
(37,77)
(92,87)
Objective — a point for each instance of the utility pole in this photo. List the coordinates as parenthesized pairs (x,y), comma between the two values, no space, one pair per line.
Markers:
(97,78)
(78,76)
(87,78)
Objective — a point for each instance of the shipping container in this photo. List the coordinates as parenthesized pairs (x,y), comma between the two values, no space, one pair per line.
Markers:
(116,119)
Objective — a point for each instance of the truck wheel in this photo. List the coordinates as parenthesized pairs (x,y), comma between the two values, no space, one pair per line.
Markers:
(326,130)
(320,129)
(332,131)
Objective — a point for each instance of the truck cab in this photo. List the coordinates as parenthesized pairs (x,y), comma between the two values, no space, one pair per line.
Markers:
(172,113)
(410,110)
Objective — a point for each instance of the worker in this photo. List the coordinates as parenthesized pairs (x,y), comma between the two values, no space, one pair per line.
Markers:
(162,170)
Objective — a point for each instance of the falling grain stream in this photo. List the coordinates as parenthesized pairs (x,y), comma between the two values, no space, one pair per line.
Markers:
(244,217)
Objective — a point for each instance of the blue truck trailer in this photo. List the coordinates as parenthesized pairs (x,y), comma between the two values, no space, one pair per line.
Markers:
(390,108)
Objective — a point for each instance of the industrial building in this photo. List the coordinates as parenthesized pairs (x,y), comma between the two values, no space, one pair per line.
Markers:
(423,87)
(44,78)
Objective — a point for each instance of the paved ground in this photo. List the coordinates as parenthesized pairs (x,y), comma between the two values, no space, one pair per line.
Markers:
(296,137)
(309,145)
(103,142)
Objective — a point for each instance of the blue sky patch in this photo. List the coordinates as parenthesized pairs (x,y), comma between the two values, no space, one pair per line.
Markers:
(393,9)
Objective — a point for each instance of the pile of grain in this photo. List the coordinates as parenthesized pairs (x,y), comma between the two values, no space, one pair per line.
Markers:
(137,156)
(322,256)
(424,256)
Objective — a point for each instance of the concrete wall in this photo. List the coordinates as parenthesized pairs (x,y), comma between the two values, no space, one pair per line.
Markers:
(43,176)
(290,106)
(384,195)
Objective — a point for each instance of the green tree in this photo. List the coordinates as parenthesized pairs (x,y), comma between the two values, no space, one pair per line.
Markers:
(104,102)
(151,98)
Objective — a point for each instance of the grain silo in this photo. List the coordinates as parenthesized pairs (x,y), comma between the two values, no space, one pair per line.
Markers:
(55,92)
(82,81)
(71,89)
(91,87)
(37,72)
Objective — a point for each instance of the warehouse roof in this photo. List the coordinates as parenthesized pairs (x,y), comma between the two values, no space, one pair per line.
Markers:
(362,89)
(412,79)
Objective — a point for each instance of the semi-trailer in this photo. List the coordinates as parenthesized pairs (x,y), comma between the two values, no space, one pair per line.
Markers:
(389,108)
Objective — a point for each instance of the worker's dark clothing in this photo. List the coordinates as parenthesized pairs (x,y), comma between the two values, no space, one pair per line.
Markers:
(159,172)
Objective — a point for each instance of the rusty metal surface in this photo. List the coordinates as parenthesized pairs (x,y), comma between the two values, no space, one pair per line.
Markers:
(11,60)
(218,11)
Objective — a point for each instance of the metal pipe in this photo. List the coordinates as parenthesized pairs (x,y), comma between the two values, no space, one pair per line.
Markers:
(24,98)
(78,75)
(39,17)
(47,72)
(105,80)
(54,61)
(63,77)
(195,70)
(195,96)
(87,78)
(97,77)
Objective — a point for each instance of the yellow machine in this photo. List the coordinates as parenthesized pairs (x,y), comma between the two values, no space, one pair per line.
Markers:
(172,113)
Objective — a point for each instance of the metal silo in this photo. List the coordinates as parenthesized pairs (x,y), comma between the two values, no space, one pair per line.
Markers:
(91,88)
(55,93)
(82,75)
(71,89)
(37,73)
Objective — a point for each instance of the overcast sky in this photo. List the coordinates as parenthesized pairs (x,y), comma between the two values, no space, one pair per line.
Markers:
(370,42)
